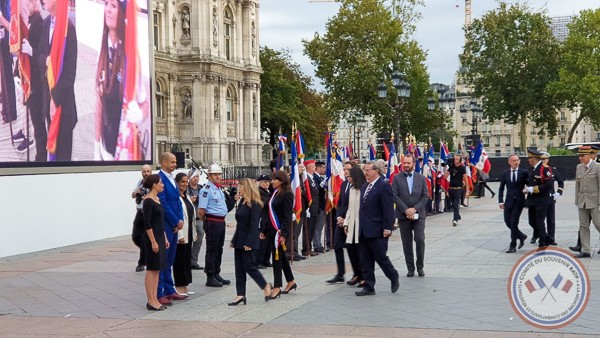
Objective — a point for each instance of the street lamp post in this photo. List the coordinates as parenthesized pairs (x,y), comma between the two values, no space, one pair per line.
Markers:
(476,117)
(446,99)
(402,92)
(360,126)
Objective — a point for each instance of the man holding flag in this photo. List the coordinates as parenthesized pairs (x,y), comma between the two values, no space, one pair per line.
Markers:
(57,59)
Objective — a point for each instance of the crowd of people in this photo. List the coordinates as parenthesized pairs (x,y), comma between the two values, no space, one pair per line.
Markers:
(171,210)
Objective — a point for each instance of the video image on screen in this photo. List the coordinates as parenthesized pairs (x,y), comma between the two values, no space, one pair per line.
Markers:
(74,83)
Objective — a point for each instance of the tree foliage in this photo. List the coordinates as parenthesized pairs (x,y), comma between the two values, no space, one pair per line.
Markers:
(287,98)
(363,44)
(509,59)
(578,85)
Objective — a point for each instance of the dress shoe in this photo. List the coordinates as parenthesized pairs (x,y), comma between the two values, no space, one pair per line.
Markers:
(353,281)
(191,293)
(18,136)
(454,223)
(302,257)
(553,243)
(575,248)
(336,279)
(165,301)
(140,268)
(583,255)
(511,250)
(319,251)
(176,296)
(599,252)
(197,267)
(277,295)
(297,259)
(464,205)
(410,274)
(522,242)
(395,285)
(212,282)
(21,148)
(421,272)
(222,280)
(365,292)
(241,300)
(493,194)
(260,266)
(289,289)
(152,308)
(533,240)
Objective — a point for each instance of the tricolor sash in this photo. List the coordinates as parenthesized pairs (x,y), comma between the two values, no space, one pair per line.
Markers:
(276,225)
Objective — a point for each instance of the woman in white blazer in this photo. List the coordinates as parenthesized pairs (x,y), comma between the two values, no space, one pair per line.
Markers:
(351,224)
(182,267)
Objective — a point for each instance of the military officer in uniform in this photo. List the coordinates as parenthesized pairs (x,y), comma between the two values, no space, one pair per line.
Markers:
(587,192)
(213,206)
(594,156)
(539,185)
(556,194)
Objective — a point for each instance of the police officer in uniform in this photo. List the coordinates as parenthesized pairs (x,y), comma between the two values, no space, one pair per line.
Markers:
(539,185)
(213,206)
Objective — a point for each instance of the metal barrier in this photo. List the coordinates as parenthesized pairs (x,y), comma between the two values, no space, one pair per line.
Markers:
(237,172)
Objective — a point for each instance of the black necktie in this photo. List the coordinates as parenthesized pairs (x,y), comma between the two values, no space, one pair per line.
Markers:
(514,175)
(408,174)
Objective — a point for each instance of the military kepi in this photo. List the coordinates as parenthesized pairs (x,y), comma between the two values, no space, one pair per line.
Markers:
(532,152)
(585,150)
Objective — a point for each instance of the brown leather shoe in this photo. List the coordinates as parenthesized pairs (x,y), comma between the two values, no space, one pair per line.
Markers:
(165,301)
(176,296)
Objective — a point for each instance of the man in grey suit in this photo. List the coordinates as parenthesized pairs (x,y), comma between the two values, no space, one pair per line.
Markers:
(587,194)
(410,196)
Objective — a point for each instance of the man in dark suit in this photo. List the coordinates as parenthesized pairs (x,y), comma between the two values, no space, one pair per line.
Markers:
(411,197)
(539,183)
(173,222)
(514,180)
(312,214)
(376,219)
(339,236)
(62,94)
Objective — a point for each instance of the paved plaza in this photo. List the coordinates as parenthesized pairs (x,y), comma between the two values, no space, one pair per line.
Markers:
(91,290)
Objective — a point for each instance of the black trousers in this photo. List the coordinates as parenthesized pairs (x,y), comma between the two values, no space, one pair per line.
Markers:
(511,219)
(551,220)
(245,264)
(339,242)
(375,250)
(539,213)
(355,259)
(279,265)
(182,267)
(38,121)
(532,221)
(455,197)
(409,231)
(137,235)
(309,232)
(263,254)
(215,238)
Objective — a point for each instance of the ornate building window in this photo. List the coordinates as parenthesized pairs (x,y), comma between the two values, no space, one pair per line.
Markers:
(229,105)
(254,108)
(157,30)
(227,33)
(160,101)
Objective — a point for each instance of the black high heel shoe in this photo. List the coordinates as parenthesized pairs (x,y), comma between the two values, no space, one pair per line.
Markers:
(152,308)
(293,287)
(276,295)
(241,300)
(267,297)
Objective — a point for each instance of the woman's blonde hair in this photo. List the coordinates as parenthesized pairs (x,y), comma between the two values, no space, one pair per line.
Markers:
(250,193)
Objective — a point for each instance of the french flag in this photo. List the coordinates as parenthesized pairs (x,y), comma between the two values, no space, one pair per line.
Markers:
(372,152)
(562,284)
(480,159)
(295,178)
(535,284)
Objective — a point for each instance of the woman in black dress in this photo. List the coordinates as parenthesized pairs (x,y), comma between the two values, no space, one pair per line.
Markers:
(155,243)
(280,211)
(182,267)
(246,241)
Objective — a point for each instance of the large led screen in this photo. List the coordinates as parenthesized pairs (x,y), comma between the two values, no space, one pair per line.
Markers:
(74,83)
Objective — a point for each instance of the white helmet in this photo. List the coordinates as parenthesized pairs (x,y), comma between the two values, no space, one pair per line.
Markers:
(214,169)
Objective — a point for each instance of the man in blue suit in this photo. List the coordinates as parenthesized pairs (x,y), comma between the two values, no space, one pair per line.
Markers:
(514,180)
(376,219)
(173,222)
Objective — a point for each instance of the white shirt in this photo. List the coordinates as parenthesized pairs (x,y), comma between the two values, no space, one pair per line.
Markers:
(170,177)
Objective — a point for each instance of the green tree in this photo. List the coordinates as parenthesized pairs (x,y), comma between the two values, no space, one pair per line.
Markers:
(509,58)
(363,44)
(287,98)
(579,82)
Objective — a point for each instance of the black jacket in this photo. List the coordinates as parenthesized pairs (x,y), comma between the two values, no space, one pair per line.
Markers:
(246,231)
(283,203)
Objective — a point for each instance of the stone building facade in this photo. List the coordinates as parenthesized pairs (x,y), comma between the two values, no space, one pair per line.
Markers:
(207,79)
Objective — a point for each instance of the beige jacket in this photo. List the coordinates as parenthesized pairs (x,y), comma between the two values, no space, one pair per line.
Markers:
(351,220)
(183,233)
(587,186)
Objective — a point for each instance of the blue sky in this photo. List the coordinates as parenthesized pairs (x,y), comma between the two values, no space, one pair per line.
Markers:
(284,23)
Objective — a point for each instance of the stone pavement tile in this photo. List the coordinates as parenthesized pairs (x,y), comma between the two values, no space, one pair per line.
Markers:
(496,334)
(399,332)
(151,328)
(304,330)
(24,326)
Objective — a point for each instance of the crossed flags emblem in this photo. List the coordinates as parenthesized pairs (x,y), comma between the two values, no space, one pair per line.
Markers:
(559,283)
